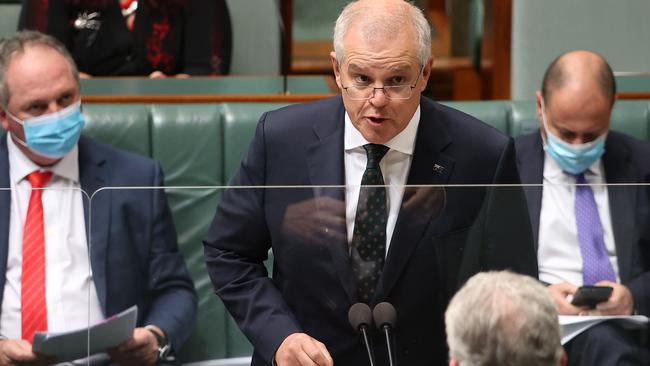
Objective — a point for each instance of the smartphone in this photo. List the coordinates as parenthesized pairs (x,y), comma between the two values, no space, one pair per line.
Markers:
(590,296)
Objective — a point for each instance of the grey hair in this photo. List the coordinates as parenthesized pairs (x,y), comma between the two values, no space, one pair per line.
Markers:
(380,24)
(17,43)
(502,318)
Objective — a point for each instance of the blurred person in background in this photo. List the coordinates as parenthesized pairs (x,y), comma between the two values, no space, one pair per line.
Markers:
(155,38)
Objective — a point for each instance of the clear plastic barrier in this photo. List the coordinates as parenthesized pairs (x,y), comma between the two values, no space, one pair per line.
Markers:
(141,239)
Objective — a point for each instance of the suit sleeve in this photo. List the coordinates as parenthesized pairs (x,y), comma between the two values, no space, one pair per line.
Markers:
(235,248)
(501,237)
(174,302)
(640,289)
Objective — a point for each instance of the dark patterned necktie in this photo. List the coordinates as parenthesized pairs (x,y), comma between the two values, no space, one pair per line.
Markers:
(595,261)
(369,237)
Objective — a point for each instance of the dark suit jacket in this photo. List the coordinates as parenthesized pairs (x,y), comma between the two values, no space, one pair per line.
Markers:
(439,241)
(133,251)
(625,161)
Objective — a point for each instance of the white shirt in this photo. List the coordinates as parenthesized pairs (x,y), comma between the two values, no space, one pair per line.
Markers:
(71,296)
(394,166)
(558,254)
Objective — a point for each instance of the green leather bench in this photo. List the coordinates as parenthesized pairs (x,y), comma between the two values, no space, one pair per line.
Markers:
(202,145)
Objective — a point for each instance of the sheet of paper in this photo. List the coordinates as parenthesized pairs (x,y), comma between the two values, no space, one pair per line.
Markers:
(571,326)
(80,343)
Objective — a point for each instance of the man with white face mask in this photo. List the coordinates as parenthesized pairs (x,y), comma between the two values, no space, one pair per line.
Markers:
(51,277)
(587,233)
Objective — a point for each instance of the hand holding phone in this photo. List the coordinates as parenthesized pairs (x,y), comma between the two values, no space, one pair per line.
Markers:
(590,296)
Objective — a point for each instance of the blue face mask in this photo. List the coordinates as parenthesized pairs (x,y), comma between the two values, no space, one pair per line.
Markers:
(573,158)
(53,135)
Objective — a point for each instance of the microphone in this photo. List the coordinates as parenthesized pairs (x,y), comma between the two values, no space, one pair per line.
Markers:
(360,318)
(385,318)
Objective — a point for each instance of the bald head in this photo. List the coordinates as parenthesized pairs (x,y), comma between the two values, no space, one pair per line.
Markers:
(383,19)
(579,72)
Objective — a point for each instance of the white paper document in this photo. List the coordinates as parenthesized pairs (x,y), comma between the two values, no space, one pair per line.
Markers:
(76,344)
(571,326)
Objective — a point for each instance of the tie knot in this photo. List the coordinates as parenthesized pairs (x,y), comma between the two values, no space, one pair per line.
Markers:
(580,178)
(375,153)
(39,179)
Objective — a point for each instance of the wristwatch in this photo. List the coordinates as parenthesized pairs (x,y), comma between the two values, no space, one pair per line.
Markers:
(164,348)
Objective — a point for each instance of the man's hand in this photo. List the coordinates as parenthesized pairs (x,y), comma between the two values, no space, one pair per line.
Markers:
(300,349)
(19,352)
(559,293)
(141,349)
(620,303)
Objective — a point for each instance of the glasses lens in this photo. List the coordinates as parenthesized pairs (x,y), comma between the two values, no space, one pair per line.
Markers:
(391,92)
(398,91)
(359,93)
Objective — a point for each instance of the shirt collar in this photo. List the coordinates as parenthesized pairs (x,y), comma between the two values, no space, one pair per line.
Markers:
(21,166)
(404,142)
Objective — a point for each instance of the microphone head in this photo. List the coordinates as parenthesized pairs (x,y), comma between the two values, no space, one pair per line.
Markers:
(384,314)
(359,315)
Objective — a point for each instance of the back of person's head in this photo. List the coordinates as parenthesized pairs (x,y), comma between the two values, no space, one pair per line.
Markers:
(586,69)
(380,19)
(17,44)
(502,318)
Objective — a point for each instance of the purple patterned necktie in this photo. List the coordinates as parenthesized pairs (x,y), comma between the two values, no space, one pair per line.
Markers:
(595,261)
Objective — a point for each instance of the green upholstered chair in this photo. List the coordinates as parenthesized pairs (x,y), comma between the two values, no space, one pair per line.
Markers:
(187,141)
(523,118)
(240,120)
(125,126)
(493,113)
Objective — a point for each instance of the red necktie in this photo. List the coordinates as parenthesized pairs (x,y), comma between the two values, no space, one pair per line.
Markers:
(32,282)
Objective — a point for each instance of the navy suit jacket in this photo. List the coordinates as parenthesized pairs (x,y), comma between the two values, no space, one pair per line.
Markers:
(133,250)
(625,161)
(442,235)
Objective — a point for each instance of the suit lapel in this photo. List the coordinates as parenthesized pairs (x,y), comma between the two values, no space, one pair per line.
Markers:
(5,207)
(430,166)
(93,176)
(327,168)
(530,161)
(622,200)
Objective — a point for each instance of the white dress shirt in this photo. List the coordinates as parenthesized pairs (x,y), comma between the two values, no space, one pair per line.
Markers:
(394,166)
(559,256)
(71,296)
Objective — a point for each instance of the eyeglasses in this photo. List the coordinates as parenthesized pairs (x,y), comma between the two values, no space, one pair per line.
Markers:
(392,92)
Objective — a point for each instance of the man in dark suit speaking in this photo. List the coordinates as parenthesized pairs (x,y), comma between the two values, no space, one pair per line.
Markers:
(332,247)
(588,234)
(57,271)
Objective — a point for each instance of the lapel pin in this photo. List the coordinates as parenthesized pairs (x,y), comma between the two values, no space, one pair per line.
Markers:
(438,169)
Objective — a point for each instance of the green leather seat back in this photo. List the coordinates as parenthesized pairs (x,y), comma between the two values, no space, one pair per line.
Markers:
(187,142)
(240,120)
(493,113)
(631,117)
(523,118)
(125,126)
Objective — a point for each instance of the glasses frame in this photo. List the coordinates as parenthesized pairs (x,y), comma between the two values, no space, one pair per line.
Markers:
(383,89)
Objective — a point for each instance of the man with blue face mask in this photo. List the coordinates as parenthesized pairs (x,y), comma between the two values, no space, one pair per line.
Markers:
(587,233)
(51,278)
